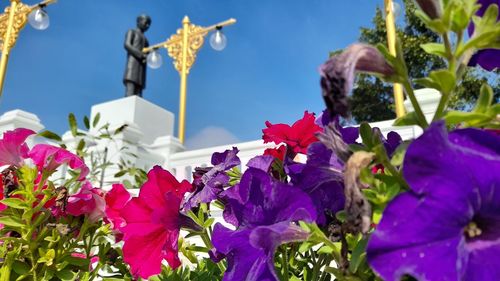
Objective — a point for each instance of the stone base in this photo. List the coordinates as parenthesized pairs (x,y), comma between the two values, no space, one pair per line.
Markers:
(152,120)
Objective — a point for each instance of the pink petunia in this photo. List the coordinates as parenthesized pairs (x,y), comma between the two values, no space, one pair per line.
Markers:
(88,201)
(13,148)
(49,158)
(116,199)
(298,136)
(153,222)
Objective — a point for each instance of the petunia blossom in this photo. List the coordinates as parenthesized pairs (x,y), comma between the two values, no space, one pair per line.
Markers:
(116,199)
(49,158)
(209,182)
(321,177)
(87,201)
(447,226)
(488,59)
(337,74)
(265,210)
(298,136)
(153,222)
(13,149)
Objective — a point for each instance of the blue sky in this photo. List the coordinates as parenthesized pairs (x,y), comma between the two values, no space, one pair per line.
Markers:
(267,72)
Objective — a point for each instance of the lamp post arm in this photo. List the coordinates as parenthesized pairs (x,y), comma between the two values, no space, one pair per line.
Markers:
(42,4)
(204,30)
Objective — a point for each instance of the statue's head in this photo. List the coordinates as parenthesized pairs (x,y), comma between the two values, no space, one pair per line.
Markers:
(143,22)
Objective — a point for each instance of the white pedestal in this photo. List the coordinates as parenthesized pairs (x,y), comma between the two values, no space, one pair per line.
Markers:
(428,99)
(152,120)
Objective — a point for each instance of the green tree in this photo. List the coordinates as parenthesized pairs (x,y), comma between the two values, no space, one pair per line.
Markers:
(372,99)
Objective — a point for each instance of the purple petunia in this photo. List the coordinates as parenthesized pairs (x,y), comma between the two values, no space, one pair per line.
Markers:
(209,182)
(488,59)
(447,226)
(265,210)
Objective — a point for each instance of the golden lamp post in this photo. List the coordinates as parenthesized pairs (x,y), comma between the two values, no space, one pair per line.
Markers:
(391,41)
(12,21)
(183,47)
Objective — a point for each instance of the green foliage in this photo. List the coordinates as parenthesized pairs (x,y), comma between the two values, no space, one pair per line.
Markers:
(423,51)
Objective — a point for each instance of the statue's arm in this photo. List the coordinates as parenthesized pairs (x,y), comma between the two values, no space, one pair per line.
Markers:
(138,54)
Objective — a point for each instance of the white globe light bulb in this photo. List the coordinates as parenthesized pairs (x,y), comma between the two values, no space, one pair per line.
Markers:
(39,19)
(218,40)
(154,59)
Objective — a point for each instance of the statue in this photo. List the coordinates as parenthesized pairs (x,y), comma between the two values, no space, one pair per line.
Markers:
(135,71)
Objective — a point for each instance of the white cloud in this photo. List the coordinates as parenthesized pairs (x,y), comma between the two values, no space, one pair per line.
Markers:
(211,136)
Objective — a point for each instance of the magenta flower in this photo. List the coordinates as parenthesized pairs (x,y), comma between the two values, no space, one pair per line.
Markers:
(116,199)
(49,158)
(13,149)
(88,201)
(447,227)
(265,210)
(153,222)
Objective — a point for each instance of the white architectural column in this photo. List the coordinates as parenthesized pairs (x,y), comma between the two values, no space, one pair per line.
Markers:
(14,119)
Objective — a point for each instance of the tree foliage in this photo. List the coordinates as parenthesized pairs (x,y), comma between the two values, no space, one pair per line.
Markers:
(372,99)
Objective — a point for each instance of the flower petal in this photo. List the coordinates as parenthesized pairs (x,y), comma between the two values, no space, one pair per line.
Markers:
(13,148)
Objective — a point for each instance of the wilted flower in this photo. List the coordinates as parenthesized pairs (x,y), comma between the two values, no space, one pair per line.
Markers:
(298,136)
(13,149)
(265,210)
(337,74)
(153,222)
(49,158)
(488,59)
(432,8)
(447,226)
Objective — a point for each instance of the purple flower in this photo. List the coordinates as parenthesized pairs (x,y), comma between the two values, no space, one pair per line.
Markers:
(210,182)
(447,227)
(321,178)
(337,74)
(488,59)
(265,210)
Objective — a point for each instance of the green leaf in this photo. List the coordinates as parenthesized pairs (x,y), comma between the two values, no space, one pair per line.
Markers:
(120,129)
(66,274)
(72,124)
(50,135)
(325,250)
(408,119)
(20,268)
(460,19)
(366,134)
(445,79)
(399,154)
(97,117)
(11,221)
(15,203)
(437,49)
(86,122)
(456,117)
(358,255)
(484,100)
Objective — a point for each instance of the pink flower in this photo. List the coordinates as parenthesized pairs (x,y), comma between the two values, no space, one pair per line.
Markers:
(49,158)
(116,199)
(153,222)
(88,201)
(298,136)
(13,148)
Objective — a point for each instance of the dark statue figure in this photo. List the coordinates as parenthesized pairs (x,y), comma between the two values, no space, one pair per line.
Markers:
(135,71)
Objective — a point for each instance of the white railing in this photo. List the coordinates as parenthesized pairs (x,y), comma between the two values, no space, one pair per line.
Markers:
(167,150)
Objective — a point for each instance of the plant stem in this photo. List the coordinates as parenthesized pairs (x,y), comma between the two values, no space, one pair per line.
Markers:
(284,261)
(416,106)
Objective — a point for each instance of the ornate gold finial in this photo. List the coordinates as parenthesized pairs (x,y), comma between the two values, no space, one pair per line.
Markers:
(196,36)
(21,12)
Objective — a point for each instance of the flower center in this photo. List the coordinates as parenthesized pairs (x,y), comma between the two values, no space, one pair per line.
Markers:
(472,230)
